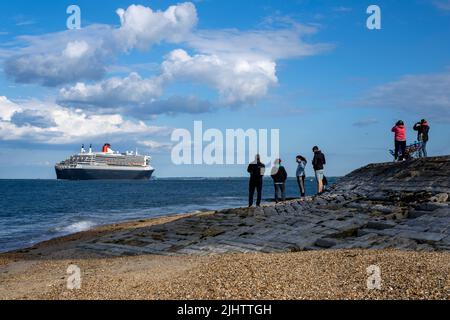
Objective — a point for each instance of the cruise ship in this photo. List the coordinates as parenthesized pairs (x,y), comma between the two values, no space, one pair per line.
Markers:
(105,165)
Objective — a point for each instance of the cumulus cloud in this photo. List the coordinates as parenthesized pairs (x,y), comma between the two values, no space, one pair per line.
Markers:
(33,118)
(141,26)
(74,55)
(131,95)
(238,80)
(50,123)
(52,60)
(113,92)
(239,65)
(427,95)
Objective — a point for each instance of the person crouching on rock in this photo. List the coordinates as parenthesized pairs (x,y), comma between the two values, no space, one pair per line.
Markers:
(400,140)
(256,170)
(301,175)
(422,129)
(279,176)
(318,164)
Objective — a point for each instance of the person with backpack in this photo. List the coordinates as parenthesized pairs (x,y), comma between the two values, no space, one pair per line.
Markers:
(318,164)
(399,131)
(423,129)
(301,175)
(279,176)
(256,169)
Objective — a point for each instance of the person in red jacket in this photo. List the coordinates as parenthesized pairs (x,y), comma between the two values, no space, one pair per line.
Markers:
(400,140)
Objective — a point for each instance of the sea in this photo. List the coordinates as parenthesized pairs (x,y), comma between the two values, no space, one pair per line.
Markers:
(32,211)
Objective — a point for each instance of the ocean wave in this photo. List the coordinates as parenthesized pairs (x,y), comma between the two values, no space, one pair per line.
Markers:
(77,227)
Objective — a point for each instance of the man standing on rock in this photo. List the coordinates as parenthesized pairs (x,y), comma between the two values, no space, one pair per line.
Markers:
(256,170)
(422,129)
(318,164)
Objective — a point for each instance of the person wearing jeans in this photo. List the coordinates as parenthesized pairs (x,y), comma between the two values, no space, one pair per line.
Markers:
(279,176)
(301,175)
(423,129)
(400,140)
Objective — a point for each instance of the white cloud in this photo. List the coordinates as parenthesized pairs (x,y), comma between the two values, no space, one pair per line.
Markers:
(426,95)
(74,55)
(238,80)
(240,65)
(141,26)
(69,126)
(52,60)
(76,49)
(114,92)
(7,109)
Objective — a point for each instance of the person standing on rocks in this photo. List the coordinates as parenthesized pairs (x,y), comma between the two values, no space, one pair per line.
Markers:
(400,140)
(279,176)
(301,175)
(318,164)
(422,129)
(256,170)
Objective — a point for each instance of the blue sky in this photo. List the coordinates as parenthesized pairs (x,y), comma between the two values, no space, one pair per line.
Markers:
(309,68)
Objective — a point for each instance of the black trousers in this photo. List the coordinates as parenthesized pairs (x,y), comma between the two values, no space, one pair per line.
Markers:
(301,185)
(255,184)
(400,148)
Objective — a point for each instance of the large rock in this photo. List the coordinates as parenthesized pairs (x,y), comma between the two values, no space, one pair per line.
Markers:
(390,205)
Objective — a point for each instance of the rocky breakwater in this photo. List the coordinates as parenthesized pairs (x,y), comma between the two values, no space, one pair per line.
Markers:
(391,205)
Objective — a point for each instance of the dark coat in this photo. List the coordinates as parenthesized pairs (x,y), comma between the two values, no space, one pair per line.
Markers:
(319,161)
(280,176)
(256,170)
(422,131)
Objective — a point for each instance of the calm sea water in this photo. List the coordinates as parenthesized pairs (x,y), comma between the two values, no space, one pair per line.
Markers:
(37,210)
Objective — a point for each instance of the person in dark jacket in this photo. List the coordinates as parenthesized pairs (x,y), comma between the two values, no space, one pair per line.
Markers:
(319,163)
(256,170)
(279,176)
(423,129)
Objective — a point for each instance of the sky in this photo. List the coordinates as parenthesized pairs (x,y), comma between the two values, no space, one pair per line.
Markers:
(137,70)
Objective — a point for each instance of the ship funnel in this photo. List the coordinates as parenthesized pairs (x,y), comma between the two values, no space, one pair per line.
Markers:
(90,148)
(82,149)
